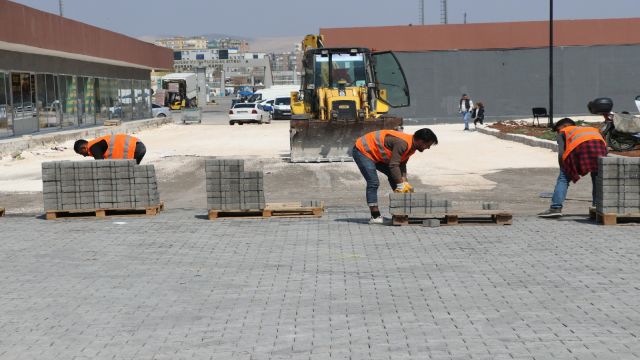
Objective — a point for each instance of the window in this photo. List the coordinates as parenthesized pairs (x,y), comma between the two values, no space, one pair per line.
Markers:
(5,118)
(68,100)
(283,101)
(392,84)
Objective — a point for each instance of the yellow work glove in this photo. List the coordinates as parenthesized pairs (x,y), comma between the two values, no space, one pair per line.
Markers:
(404,187)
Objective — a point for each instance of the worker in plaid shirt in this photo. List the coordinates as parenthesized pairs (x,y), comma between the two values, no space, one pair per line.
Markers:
(578,151)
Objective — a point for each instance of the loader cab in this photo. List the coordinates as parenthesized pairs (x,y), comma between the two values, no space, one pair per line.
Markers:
(333,70)
(336,68)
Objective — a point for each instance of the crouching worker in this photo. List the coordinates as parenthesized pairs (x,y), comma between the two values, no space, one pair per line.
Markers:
(112,147)
(388,151)
(578,151)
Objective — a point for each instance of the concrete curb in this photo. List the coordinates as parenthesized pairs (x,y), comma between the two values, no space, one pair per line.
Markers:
(523,139)
(36,140)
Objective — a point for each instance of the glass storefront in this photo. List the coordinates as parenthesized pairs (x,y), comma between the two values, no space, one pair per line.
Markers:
(6,125)
(31,102)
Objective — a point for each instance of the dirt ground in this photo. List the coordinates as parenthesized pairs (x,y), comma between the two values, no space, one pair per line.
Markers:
(539,130)
(525,127)
(466,167)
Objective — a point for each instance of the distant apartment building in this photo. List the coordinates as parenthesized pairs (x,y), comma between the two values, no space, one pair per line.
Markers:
(230,43)
(285,68)
(183,43)
(254,68)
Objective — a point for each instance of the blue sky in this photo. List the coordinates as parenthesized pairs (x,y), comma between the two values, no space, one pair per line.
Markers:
(253,18)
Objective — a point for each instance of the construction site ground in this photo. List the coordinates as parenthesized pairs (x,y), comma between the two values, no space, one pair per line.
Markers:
(466,167)
(180,286)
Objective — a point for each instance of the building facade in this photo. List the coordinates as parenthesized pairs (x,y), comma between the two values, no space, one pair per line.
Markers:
(241,68)
(230,43)
(506,65)
(57,73)
(183,43)
(284,66)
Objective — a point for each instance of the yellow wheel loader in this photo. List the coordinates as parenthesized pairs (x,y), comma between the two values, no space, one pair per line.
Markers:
(345,94)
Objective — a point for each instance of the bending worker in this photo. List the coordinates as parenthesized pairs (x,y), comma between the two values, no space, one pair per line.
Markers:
(578,151)
(388,151)
(112,147)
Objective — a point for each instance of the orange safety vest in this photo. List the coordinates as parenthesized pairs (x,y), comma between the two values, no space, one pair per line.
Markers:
(121,146)
(576,135)
(372,145)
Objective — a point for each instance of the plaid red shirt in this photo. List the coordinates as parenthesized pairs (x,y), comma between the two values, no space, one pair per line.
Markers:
(584,159)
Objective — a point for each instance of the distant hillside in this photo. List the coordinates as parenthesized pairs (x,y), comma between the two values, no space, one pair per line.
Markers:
(213,36)
(274,44)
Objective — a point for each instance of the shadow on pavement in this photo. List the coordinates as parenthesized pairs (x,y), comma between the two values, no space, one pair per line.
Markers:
(354,220)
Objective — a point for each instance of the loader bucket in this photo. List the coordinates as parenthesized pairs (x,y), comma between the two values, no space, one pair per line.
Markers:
(316,140)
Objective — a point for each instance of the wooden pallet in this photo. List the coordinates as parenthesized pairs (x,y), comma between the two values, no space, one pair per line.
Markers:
(292,209)
(100,213)
(1,212)
(478,217)
(614,219)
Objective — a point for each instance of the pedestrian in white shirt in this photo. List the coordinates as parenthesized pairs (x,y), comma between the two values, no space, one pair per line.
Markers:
(466,105)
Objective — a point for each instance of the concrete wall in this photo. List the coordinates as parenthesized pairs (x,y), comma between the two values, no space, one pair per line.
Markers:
(16,61)
(511,82)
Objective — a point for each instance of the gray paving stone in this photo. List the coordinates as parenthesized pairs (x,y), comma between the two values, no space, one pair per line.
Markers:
(176,286)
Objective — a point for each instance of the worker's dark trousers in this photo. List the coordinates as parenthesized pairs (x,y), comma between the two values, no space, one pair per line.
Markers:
(140,151)
(369,169)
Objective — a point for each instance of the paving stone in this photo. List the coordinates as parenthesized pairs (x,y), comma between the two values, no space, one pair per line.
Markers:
(177,286)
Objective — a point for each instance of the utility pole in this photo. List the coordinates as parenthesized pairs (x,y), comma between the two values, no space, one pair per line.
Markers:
(443,12)
(60,7)
(421,3)
(550,63)
(465,17)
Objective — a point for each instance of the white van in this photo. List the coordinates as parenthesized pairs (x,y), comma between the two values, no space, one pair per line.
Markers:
(281,108)
(273,92)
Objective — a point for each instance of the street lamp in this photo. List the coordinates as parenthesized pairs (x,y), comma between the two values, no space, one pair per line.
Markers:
(550,63)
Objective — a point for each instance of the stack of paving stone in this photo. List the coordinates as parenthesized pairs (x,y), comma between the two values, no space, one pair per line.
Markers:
(618,185)
(103,184)
(229,187)
(417,204)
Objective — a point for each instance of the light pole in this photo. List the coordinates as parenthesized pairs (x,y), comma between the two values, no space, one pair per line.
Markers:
(550,63)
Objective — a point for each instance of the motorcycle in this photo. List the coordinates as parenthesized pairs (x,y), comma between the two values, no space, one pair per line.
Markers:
(621,131)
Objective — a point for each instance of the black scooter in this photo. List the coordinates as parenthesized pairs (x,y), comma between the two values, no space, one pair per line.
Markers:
(616,140)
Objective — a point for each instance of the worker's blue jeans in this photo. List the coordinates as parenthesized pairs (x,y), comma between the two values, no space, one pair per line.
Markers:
(369,170)
(562,186)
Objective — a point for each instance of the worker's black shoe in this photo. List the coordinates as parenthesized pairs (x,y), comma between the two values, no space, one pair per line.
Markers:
(551,213)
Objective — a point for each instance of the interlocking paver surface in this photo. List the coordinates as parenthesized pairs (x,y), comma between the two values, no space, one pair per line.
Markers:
(176,286)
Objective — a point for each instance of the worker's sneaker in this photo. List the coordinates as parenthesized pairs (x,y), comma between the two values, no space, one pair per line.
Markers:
(551,213)
(378,220)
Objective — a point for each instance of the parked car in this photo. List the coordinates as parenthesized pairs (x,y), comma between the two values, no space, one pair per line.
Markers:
(245,113)
(281,109)
(160,111)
